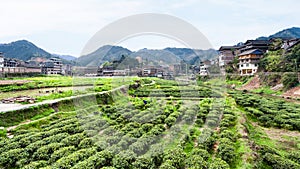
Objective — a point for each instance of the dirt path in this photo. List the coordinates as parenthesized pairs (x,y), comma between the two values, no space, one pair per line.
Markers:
(10,82)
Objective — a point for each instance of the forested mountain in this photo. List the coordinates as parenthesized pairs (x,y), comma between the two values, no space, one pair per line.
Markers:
(152,56)
(23,50)
(289,33)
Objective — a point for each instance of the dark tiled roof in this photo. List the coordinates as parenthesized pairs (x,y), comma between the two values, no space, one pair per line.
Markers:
(227,48)
(253,51)
(257,42)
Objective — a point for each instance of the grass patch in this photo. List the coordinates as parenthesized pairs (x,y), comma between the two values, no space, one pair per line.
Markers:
(43,114)
(266,90)
(2,133)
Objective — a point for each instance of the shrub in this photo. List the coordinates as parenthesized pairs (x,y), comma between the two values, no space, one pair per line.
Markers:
(143,163)
(289,80)
(226,150)
(124,159)
(218,163)
(275,161)
(62,152)
(176,156)
(195,162)
(9,158)
(45,152)
(294,156)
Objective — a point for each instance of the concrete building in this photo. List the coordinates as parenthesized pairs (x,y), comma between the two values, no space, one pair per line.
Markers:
(110,71)
(226,55)
(8,62)
(1,60)
(204,66)
(248,61)
(52,66)
(67,69)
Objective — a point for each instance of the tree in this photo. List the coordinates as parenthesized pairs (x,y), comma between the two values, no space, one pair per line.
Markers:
(289,80)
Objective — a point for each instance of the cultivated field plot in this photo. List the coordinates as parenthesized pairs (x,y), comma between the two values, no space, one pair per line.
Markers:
(152,126)
(54,87)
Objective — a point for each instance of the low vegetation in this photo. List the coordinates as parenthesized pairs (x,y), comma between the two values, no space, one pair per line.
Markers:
(152,126)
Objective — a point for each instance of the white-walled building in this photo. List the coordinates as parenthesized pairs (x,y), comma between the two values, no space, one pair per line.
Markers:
(248,61)
(1,60)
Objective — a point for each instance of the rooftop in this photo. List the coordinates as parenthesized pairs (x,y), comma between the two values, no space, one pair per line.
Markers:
(253,51)
(227,48)
(257,42)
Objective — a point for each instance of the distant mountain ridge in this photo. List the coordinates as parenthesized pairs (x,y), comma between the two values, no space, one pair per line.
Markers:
(289,33)
(25,50)
(102,54)
(154,56)
(66,57)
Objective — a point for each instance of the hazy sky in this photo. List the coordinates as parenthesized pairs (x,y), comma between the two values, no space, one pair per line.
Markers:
(65,26)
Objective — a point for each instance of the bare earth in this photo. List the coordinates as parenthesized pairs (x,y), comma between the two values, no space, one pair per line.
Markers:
(10,82)
(294,92)
(253,84)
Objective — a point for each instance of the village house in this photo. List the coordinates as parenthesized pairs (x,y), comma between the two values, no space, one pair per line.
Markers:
(248,61)
(204,66)
(226,55)
(262,45)
(289,44)
(110,71)
(1,60)
(67,69)
(36,65)
(8,62)
(52,66)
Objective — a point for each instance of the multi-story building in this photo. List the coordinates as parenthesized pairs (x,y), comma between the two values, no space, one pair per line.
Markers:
(52,66)
(262,45)
(1,60)
(248,61)
(204,66)
(8,62)
(227,54)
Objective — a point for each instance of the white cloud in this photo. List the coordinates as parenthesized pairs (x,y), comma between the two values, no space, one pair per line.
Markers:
(25,17)
(222,21)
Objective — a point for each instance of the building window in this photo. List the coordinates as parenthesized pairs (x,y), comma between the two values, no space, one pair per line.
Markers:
(247,65)
(255,65)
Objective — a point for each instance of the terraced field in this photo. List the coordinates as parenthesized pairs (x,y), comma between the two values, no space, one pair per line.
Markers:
(156,124)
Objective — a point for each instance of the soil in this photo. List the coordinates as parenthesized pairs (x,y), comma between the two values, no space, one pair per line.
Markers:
(293,92)
(10,82)
(253,84)
(279,134)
